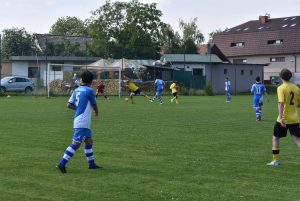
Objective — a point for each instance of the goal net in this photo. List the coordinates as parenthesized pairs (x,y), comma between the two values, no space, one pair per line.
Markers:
(62,79)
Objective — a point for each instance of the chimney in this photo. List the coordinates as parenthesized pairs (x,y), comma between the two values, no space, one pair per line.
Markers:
(263,19)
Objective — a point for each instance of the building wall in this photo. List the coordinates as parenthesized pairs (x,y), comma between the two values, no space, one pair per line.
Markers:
(273,68)
(6,69)
(240,82)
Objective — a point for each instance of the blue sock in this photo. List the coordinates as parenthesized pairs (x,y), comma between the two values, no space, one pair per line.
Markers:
(89,154)
(70,151)
(258,112)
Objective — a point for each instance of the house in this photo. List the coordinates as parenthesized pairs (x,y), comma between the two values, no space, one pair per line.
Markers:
(197,71)
(275,43)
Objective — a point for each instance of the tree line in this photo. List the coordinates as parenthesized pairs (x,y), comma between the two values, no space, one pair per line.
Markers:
(133,30)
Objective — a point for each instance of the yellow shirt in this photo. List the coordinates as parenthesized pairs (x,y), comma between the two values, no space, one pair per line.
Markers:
(173,87)
(132,86)
(289,94)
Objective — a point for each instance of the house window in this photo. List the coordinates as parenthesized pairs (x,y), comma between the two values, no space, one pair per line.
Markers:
(239,44)
(104,75)
(277,59)
(56,68)
(285,25)
(242,72)
(32,72)
(275,42)
(293,25)
(225,71)
(197,72)
(251,72)
(239,61)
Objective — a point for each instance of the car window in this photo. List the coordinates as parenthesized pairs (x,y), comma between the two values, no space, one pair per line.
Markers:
(20,79)
(11,80)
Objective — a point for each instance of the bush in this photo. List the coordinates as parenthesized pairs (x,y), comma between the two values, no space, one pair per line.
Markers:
(209,90)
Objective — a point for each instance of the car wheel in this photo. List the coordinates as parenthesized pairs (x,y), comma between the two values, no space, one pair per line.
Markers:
(2,90)
(28,90)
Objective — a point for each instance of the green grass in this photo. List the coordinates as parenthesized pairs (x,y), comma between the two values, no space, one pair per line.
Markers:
(201,149)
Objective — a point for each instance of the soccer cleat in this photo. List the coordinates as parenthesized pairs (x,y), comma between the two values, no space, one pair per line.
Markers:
(94,167)
(258,119)
(172,100)
(151,100)
(61,168)
(273,163)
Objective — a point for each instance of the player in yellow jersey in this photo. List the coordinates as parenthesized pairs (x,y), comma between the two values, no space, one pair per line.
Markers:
(174,90)
(134,90)
(288,118)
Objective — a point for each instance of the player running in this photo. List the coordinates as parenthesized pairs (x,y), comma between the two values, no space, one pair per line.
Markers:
(258,89)
(83,101)
(134,90)
(288,118)
(100,90)
(159,84)
(174,90)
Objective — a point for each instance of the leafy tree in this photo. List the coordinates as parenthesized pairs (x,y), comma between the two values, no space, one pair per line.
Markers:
(17,42)
(69,26)
(127,26)
(212,34)
(169,39)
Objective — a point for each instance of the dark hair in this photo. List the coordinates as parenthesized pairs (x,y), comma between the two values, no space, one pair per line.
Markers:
(257,79)
(87,77)
(285,74)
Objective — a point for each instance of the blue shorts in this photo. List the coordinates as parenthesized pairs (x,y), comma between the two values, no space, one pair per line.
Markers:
(81,133)
(227,92)
(258,102)
(159,91)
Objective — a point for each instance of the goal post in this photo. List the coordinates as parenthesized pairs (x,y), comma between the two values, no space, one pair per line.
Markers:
(60,79)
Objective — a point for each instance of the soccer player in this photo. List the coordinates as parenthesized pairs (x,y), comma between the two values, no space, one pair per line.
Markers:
(100,90)
(159,84)
(134,90)
(83,101)
(288,118)
(227,90)
(258,89)
(174,90)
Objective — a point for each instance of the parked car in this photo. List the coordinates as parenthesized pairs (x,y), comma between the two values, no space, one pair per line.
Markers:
(18,84)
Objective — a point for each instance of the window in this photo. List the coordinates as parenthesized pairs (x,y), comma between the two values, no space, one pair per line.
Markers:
(239,61)
(238,29)
(56,68)
(242,72)
(239,44)
(19,79)
(251,72)
(197,72)
(275,42)
(225,71)
(104,75)
(293,25)
(260,28)
(32,72)
(285,25)
(293,18)
(286,19)
(277,59)
(246,29)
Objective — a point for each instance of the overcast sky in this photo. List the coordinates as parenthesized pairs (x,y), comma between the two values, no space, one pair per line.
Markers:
(37,16)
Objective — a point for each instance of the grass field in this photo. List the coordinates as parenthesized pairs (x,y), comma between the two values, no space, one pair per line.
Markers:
(201,149)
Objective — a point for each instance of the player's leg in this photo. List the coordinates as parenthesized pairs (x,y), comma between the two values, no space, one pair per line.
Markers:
(71,149)
(145,95)
(279,132)
(131,97)
(160,97)
(89,153)
(295,133)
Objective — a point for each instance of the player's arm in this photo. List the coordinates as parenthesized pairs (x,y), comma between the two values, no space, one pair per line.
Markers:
(280,110)
(71,106)
(95,108)
(71,102)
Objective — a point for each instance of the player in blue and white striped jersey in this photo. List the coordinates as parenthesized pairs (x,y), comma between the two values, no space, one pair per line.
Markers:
(227,90)
(159,84)
(258,89)
(83,101)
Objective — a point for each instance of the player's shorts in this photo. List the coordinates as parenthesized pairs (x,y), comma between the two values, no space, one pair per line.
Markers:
(258,102)
(174,94)
(159,91)
(280,131)
(227,92)
(80,134)
(136,92)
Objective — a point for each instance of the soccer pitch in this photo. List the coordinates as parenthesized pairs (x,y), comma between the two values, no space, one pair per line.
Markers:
(201,149)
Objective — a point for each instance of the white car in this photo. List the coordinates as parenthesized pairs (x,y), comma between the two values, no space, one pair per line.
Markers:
(18,84)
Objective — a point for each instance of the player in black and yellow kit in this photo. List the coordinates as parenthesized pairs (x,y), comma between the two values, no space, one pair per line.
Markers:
(135,90)
(288,118)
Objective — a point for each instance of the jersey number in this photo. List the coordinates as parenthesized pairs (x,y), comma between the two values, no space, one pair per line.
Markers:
(77,99)
(292,98)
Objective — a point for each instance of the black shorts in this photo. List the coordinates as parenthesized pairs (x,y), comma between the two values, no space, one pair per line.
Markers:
(280,131)
(175,94)
(136,92)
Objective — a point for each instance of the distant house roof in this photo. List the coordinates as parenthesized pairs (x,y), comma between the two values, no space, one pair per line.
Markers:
(261,37)
(191,58)
(54,58)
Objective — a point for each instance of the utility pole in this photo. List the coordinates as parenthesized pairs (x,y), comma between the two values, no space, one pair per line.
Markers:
(0,62)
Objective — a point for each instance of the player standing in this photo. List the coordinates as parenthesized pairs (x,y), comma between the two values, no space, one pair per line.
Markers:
(100,90)
(258,89)
(83,101)
(174,90)
(288,118)
(227,90)
(159,84)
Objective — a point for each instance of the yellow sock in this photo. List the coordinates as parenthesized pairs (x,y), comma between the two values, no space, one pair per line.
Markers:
(275,152)
(147,97)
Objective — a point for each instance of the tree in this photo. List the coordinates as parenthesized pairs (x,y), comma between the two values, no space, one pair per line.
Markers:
(169,40)
(212,34)
(132,27)
(191,35)
(69,26)
(17,42)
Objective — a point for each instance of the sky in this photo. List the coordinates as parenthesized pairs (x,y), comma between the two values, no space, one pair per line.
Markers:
(37,16)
